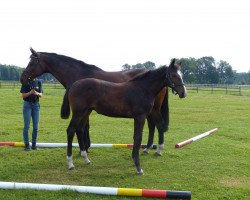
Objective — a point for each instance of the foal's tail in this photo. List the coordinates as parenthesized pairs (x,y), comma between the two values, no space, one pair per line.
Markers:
(65,108)
(165,113)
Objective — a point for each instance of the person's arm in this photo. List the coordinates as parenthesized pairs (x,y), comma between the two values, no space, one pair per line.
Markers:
(26,94)
(39,94)
(33,91)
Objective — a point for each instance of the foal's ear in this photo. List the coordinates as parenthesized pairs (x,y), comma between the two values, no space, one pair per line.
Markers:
(34,53)
(172,64)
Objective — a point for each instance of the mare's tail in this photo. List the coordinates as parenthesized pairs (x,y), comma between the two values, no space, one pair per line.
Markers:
(165,113)
(65,108)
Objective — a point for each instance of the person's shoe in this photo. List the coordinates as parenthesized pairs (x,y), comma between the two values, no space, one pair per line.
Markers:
(27,147)
(34,147)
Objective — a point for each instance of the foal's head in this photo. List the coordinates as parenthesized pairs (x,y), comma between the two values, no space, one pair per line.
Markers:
(33,69)
(174,79)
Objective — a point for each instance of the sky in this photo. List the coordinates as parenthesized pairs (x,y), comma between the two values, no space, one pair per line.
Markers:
(111,33)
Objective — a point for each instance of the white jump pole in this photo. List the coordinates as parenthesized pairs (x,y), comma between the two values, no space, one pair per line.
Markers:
(101,190)
(55,145)
(184,143)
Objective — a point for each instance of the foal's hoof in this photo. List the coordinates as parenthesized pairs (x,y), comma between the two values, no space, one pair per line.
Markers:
(157,153)
(140,172)
(87,161)
(146,151)
(71,167)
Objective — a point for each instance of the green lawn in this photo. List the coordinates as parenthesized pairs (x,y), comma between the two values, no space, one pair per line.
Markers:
(215,167)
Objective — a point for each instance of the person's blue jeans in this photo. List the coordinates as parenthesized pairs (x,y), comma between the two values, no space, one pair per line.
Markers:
(30,110)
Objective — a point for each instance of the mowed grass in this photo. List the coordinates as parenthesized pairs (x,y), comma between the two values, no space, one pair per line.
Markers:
(215,167)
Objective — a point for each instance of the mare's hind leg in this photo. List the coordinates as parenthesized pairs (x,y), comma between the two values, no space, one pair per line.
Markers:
(138,128)
(151,128)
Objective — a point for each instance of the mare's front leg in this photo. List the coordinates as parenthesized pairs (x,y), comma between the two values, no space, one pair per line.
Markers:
(138,128)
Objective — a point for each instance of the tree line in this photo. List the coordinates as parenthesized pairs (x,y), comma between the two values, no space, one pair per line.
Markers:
(13,73)
(204,70)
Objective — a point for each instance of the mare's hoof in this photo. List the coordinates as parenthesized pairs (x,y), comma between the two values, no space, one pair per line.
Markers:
(145,151)
(140,172)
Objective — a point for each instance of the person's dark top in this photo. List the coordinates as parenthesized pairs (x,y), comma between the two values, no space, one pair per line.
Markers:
(32,84)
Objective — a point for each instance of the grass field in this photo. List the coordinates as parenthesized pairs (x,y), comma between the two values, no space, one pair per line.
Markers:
(215,167)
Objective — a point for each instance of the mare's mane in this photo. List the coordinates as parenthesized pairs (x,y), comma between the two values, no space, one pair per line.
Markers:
(144,75)
(67,59)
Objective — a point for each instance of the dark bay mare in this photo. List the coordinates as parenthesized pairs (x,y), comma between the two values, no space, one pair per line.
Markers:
(131,99)
(67,70)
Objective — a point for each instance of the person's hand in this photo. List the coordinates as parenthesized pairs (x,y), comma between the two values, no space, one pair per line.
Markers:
(33,91)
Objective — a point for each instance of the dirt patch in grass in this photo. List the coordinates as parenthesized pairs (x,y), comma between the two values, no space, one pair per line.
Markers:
(233,182)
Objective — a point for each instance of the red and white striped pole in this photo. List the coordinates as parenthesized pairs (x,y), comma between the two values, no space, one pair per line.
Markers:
(184,143)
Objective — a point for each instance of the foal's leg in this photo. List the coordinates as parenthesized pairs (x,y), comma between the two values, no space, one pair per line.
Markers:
(160,142)
(151,129)
(70,135)
(138,128)
(162,127)
(84,137)
(155,119)
(81,140)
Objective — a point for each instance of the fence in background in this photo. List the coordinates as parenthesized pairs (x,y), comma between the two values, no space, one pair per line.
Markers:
(219,88)
(9,84)
(14,84)
(212,88)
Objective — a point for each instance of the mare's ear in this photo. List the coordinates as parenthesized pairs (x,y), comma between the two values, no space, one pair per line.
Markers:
(172,63)
(34,53)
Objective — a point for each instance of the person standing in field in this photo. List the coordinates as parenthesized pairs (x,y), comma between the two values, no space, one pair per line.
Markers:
(31,109)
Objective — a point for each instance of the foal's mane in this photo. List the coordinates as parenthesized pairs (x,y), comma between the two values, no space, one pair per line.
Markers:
(152,72)
(67,59)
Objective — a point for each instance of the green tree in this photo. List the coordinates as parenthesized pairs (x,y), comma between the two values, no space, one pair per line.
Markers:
(248,77)
(226,74)
(206,70)
(146,65)
(138,66)
(188,68)
(149,65)
(126,67)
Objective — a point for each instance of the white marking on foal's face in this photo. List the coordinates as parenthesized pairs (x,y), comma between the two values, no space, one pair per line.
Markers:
(180,73)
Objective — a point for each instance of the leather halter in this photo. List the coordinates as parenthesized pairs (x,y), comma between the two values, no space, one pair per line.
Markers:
(27,72)
(171,84)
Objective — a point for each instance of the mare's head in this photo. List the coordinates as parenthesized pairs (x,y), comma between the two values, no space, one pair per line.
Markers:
(34,68)
(174,79)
